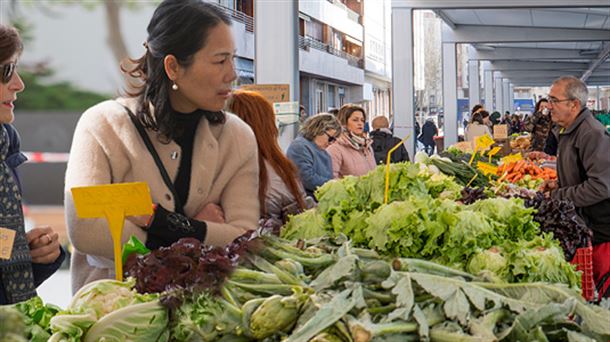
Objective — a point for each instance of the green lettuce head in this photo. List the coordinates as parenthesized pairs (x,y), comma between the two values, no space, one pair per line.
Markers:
(491,260)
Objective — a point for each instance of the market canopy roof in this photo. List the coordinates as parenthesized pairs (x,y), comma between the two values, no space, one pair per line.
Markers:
(522,42)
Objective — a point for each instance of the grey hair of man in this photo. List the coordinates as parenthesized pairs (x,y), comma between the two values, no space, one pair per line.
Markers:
(575,89)
(320,124)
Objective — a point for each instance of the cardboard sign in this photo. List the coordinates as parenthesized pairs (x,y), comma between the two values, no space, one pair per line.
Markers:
(487,169)
(7,239)
(273,92)
(512,158)
(500,132)
(114,202)
(483,142)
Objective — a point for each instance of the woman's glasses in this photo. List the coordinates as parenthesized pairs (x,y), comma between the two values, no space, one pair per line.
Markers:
(7,71)
(331,139)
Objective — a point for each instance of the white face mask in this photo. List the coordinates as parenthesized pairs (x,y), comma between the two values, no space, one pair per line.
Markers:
(545,111)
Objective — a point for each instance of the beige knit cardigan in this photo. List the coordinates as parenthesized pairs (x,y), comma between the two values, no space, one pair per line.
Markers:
(108,149)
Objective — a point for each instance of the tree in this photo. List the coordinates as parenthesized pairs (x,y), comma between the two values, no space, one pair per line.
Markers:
(112,9)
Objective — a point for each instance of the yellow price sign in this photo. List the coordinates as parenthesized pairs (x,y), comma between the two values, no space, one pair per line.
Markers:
(7,239)
(512,158)
(484,142)
(487,169)
(493,152)
(387,169)
(113,202)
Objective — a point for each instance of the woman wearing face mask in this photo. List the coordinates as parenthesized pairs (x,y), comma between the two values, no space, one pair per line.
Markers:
(35,255)
(199,162)
(352,155)
(539,125)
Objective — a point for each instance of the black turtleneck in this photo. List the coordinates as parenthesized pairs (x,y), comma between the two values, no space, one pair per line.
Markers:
(186,125)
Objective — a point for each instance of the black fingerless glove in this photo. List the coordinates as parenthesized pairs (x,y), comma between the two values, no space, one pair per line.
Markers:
(167,227)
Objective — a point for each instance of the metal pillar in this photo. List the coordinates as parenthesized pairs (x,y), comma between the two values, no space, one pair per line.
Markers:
(474,85)
(450,93)
(488,86)
(402,77)
(598,105)
(499,104)
(511,97)
(276,23)
(506,97)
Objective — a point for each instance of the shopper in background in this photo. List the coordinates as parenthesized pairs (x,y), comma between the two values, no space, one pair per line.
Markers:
(428,132)
(495,118)
(583,167)
(308,151)
(279,191)
(352,155)
(35,255)
(199,162)
(384,141)
(515,125)
(539,125)
(476,127)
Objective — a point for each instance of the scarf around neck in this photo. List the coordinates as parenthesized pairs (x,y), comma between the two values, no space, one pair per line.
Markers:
(356,142)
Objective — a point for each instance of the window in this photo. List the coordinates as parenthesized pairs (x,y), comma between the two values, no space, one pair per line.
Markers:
(331,96)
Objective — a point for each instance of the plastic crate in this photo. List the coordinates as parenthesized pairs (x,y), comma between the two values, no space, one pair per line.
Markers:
(584,263)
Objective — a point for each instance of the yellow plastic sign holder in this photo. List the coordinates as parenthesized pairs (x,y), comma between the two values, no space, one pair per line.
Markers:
(512,158)
(113,202)
(481,144)
(387,168)
(493,152)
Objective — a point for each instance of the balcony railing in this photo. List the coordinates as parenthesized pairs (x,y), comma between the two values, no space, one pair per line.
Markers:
(306,43)
(241,17)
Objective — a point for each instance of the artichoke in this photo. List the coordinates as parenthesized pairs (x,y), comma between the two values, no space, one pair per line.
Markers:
(275,314)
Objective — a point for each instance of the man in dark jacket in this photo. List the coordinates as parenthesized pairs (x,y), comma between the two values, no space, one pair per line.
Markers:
(583,165)
(427,136)
(383,141)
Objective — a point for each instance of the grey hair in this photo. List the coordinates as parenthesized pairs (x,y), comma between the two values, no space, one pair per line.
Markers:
(319,124)
(575,89)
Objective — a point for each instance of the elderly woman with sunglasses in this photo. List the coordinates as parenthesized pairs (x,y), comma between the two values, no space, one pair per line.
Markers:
(308,152)
(34,255)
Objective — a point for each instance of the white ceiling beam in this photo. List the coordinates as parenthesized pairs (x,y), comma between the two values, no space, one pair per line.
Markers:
(445,18)
(510,4)
(526,65)
(501,53)
(601,58)
(513,34)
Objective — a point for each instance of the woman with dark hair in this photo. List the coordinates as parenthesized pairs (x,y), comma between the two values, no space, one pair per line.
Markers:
(279,189)
(352,155)
(200,163)
(477,127)
(539,125)
(35,255)
(308,151)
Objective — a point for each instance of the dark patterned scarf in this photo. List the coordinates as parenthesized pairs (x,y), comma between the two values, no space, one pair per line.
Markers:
(16,273)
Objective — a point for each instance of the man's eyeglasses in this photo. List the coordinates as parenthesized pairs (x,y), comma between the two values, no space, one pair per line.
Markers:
(331,139)
(555,101)
(7,71)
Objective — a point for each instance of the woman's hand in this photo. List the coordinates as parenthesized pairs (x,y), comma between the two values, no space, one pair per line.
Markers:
(44,245)
(211,212)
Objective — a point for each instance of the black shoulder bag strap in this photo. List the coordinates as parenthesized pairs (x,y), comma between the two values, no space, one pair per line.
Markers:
(166,179)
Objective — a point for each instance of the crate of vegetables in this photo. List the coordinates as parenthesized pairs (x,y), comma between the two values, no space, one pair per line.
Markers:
(526,173)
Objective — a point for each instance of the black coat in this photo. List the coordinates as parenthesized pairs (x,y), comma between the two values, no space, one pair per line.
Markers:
(428,132)
(383,143)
